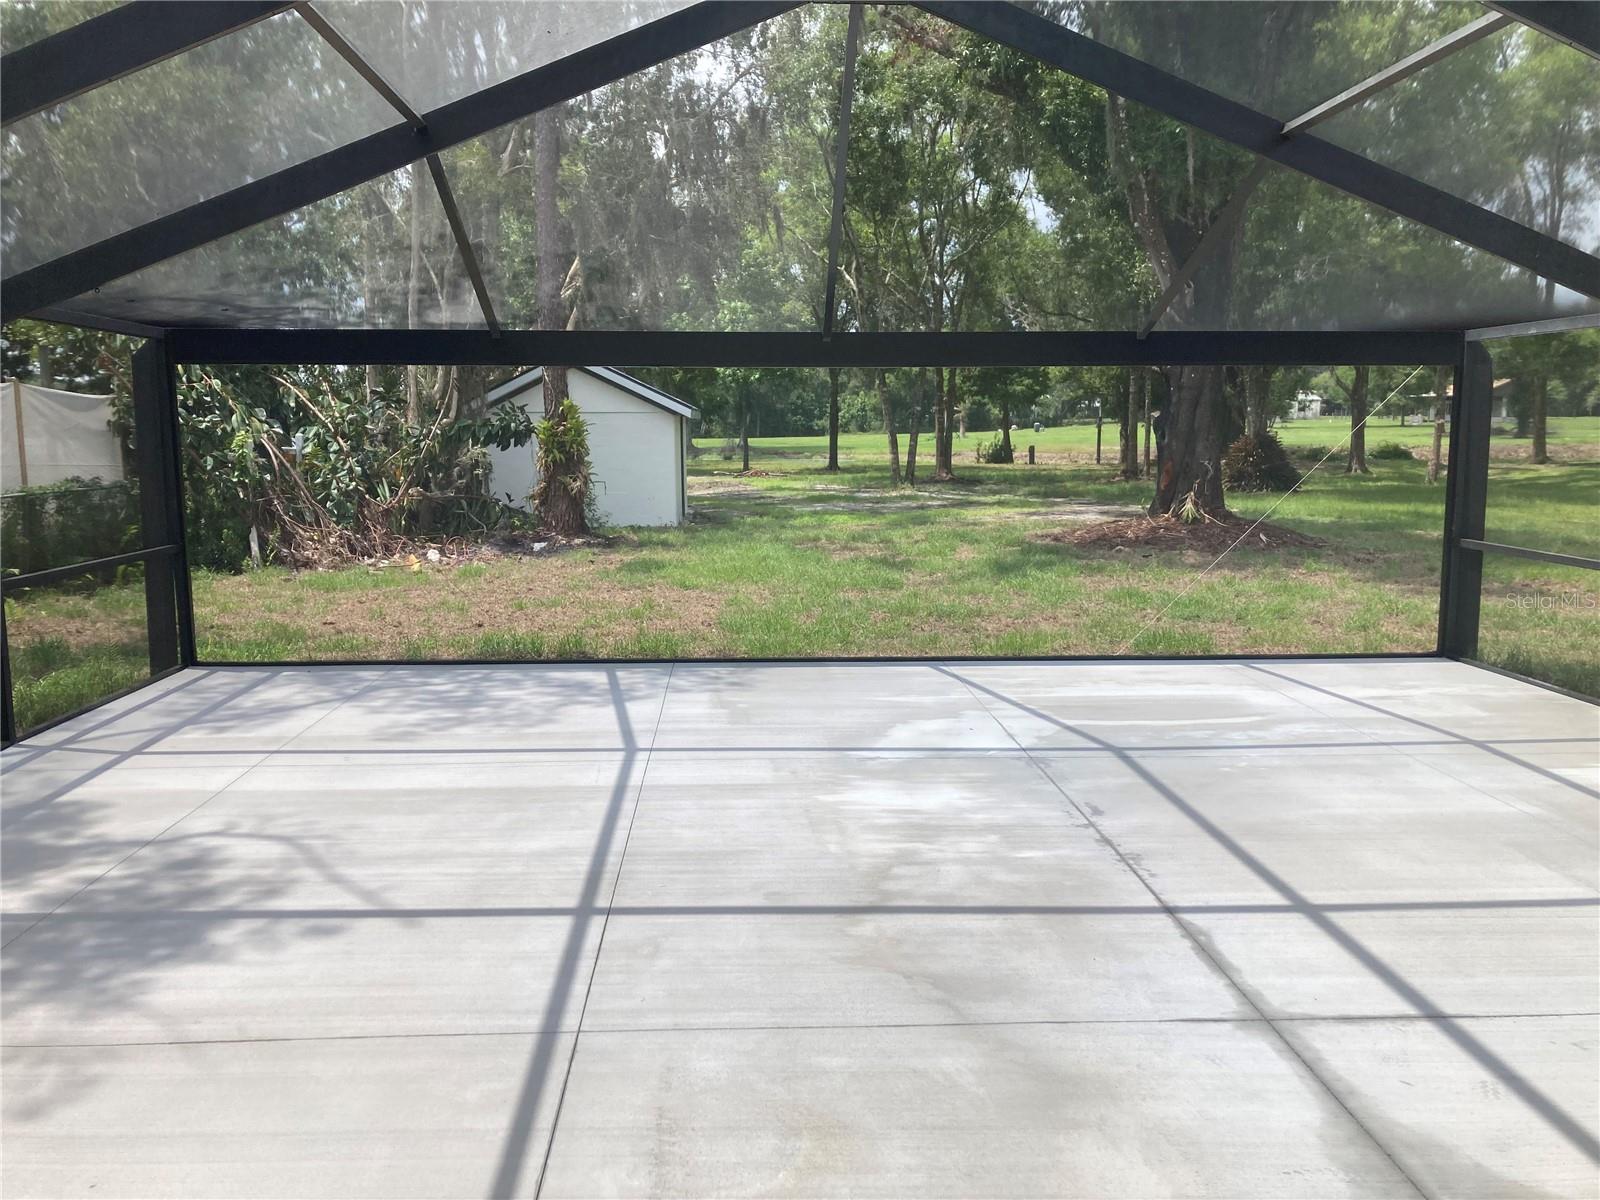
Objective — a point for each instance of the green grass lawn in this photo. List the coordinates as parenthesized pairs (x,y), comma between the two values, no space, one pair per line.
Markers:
(792,561)
(74,644)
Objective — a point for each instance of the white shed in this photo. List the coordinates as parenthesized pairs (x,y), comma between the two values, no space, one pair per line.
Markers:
(638,437)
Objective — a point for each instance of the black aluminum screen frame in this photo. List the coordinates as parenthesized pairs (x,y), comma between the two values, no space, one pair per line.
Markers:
(156,407)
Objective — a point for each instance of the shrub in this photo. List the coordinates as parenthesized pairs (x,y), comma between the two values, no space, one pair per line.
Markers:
(1258,465)
(71,521)
(860,412)
(996,451)
(1391,450)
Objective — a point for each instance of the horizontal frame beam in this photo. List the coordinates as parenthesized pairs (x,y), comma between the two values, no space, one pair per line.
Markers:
(103,323)
(117,43)
(577,348)
(12,583)
(339,170)
(1549,556)
(1124,75)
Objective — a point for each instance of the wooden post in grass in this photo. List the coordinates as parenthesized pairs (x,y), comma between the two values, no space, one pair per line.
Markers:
(1030,455)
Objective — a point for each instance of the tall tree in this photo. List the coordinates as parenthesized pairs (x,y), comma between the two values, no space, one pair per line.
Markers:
(1441,386)
(563,489)
(1355,389)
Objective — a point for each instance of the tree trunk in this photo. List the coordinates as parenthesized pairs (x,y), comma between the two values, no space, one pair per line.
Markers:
(744,431)
(943,427)
(1257,385)
(1441,380)
(563,474)
(1189,445)
(1128,443)
(1540,417)
(887,405)
(833,418)
(1144,392)
(1007,450)
(918,393)
(1356,462)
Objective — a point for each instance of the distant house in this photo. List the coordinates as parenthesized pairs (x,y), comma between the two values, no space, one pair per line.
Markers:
(638,438)
(1306,404)
(1499,404)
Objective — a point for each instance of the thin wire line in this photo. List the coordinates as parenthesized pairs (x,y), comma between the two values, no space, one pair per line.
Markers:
(1362,424)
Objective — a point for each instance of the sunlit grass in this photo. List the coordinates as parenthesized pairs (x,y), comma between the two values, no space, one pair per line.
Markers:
(803,563)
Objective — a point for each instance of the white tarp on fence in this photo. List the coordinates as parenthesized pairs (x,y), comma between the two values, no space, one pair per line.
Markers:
(47,436)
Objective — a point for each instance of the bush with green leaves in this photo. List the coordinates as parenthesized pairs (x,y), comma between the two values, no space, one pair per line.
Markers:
(997,450)
(323,463)
(1391,450)
(53,525)
(1258,464)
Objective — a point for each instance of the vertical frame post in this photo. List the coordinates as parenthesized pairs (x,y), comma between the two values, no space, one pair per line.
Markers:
(1466,502)
(8,719)
(169,611)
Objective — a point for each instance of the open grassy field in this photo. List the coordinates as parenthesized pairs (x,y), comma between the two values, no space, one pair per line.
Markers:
(1571,439)
(792,561)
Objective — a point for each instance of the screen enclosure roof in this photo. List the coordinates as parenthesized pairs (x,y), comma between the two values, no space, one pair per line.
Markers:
(770,167)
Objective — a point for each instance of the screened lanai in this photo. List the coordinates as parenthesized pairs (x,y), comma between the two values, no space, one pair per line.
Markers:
(1382,184)
(1135,914)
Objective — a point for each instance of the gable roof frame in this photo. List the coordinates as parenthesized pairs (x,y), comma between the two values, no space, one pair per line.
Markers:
(51,284)
(526,381)
(1132,78)
(60,279)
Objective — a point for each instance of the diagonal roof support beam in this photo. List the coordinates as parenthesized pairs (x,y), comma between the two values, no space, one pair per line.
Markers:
(458,229)
(388,150)
(1578,25)
(1233,213)
(441,181)
(1152,87)
(341,46)
(1456,39)
(1221,229)
(1535,328)
(117,43)
(847,89)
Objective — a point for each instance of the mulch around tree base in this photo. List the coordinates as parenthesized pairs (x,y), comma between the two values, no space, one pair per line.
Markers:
(1169,533)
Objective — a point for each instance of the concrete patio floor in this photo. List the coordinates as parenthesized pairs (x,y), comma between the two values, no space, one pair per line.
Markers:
(1101,929)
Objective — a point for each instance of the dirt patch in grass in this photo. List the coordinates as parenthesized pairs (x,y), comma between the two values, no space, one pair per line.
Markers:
(107,614)
(1169,533)
(551,596)
(1505,449)
(78,627)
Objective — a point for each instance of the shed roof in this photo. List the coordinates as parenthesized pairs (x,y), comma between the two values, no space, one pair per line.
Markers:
(527,380)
